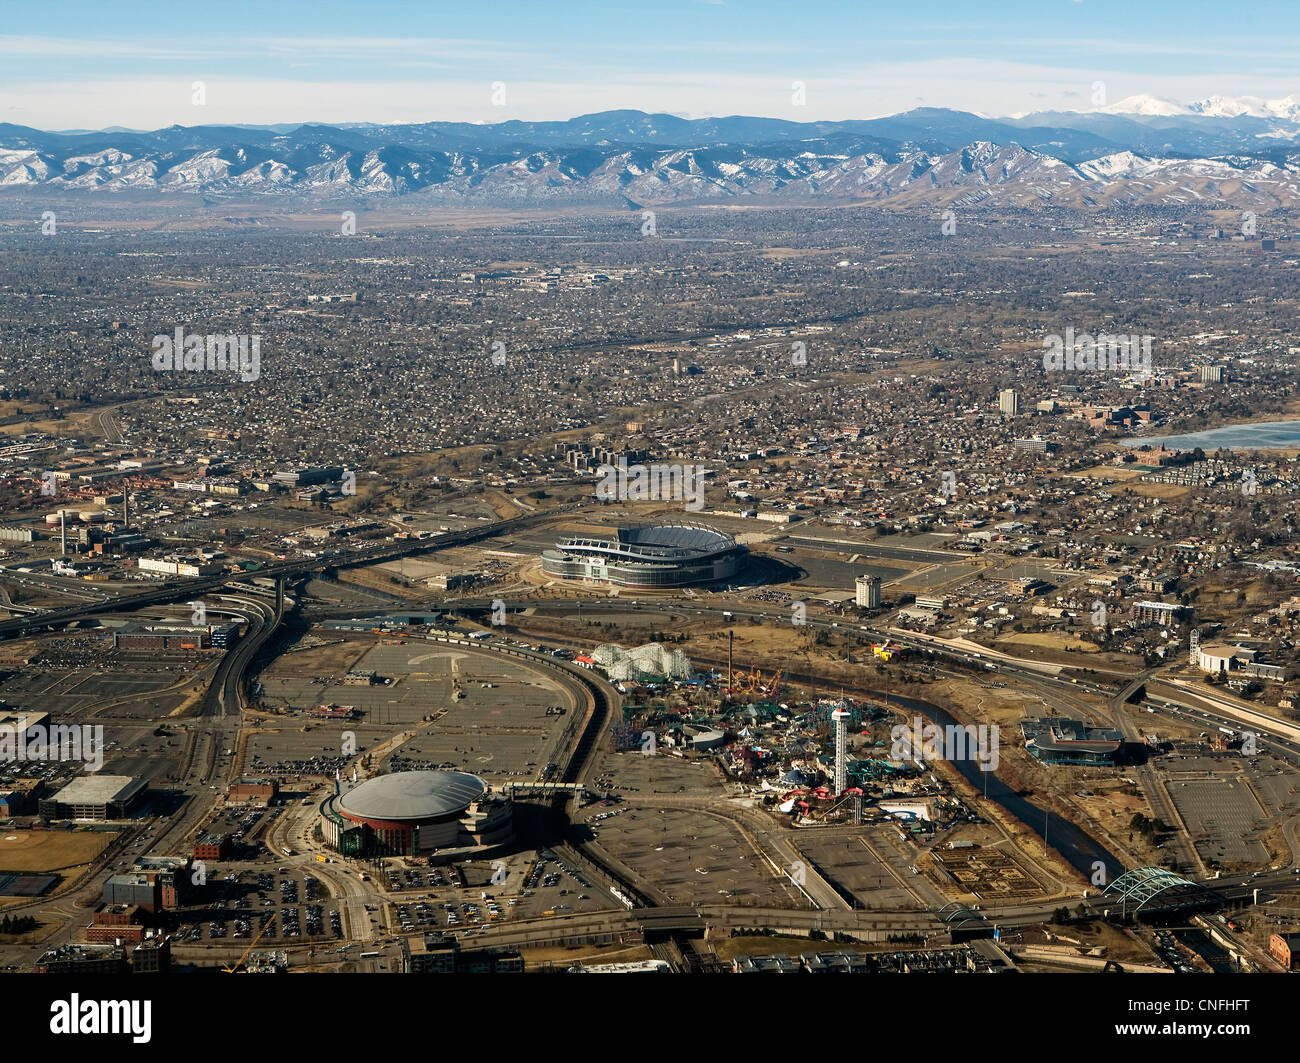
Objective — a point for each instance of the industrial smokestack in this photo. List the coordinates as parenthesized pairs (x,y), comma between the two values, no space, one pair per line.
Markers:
(126,505)
(63,534)
(731,638)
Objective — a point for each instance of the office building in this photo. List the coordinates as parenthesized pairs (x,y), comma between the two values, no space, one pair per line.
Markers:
(1285,948)
(311,475)
(1157,612)
(868,592)
(1033,445)
(83,960)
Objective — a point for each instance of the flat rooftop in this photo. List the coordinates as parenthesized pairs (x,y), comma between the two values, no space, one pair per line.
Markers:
(100,789)
(160,863)
(1058,734)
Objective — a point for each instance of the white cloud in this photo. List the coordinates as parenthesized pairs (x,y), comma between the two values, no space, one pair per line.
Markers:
(984,86)
(319,49)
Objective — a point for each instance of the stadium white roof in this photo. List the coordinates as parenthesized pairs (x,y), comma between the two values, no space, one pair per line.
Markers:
(412,795)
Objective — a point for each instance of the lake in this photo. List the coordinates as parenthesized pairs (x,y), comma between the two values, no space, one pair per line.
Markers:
(1261,435)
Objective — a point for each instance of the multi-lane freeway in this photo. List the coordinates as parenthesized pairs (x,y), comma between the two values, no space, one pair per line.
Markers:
(222,707)
(175,590)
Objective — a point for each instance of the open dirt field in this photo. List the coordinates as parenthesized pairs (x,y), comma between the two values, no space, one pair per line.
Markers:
(1048,641)
(50,850)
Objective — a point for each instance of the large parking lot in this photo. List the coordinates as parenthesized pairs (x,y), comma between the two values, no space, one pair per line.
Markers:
(506,724)
(460,897)
(81,677)
(1221,815)
(246,827)
(297,905)
(690,855)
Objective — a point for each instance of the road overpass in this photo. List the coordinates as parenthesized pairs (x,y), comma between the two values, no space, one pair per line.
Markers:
(186,589)
(177,589)
(694,920)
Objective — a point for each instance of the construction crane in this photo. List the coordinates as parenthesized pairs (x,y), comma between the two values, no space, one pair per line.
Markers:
(251,945)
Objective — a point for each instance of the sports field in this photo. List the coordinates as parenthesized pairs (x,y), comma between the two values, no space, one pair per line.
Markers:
(50,850)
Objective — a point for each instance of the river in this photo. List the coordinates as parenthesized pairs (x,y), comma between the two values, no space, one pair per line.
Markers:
(1079,849)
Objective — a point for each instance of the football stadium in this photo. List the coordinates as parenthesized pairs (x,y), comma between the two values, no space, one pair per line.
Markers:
(658,555)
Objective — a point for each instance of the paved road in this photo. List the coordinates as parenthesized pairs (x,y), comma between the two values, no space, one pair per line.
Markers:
(176,590)
(223,707)
(896,553)
(107,425)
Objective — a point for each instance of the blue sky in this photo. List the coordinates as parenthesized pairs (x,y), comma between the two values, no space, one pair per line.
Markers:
(72,64)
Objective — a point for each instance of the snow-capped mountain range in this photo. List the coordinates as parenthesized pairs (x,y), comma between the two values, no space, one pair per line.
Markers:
(1242,152)
(1287,108)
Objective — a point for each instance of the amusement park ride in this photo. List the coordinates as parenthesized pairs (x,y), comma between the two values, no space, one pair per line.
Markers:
(752,682)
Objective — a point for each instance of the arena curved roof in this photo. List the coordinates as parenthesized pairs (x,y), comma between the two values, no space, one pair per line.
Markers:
(412,795)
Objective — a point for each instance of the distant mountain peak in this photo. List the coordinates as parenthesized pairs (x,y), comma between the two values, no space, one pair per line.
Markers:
(1287,108)
(1145,104)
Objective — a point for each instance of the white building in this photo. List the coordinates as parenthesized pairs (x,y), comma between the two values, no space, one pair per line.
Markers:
(868,592)
(1216,658)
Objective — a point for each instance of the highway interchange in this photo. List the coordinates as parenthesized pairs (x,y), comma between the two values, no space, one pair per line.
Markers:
(221,721)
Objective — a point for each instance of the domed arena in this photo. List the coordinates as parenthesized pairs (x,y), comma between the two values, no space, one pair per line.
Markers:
(415,813)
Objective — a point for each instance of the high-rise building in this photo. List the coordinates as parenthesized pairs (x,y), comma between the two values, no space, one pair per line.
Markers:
(868,592)
(1008,402)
